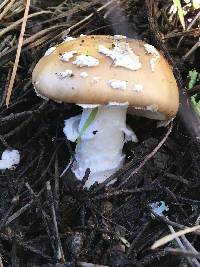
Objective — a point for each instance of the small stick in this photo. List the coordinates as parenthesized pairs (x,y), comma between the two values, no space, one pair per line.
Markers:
(149,156)
(192,50)
(22,210)
(60,254)
(68,166)
(16,116)
(182,253)
(87,264)
(4,220)
(1,262)
(3,141)
(181,245)
(15,24)
(91,15)
(5,91)
(188,28)
(18,213)
(174,224)
(56,184)
(18,128)
(122,192)
(45,217)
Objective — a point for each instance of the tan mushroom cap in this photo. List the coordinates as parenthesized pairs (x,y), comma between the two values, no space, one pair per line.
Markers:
(158,95)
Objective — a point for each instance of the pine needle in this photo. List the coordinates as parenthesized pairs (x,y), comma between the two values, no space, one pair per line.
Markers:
(6,9)
(89,120)
(162,241)
(21,37)
(177,3)
(3,4)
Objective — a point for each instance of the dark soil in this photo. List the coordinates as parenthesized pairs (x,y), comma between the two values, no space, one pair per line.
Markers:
(47,220)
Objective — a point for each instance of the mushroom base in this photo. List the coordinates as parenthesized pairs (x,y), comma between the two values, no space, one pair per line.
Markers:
(100,148)
(101,145)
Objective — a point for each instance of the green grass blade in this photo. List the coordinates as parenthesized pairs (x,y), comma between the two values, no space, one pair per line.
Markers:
(196,104)
(177,3)
(193,78)
(89,120)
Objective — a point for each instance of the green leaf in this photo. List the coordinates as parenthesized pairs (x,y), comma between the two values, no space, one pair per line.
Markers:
(177,3)
(174,244)
(89,120)
(195,103)
(193,76)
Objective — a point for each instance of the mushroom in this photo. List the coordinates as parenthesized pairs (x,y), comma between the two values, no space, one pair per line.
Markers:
(105,75)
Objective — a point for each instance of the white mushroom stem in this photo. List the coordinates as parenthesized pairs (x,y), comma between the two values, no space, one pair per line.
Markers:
(100,148)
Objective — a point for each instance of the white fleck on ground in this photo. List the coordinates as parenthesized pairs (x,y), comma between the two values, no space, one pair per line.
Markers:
(9,158)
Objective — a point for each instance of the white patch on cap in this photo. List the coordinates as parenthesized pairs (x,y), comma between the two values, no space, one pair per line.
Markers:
(86,61)
(41,96)
(64,74)
(84,74)
(119,37)
(68,39)
(140,108)
(95,79)
(153,63)
(50,50)
(89,105)
(153,108)
(125,104)
(122,55)
(67,55)
(117,84)
(138,88)
(150,49)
